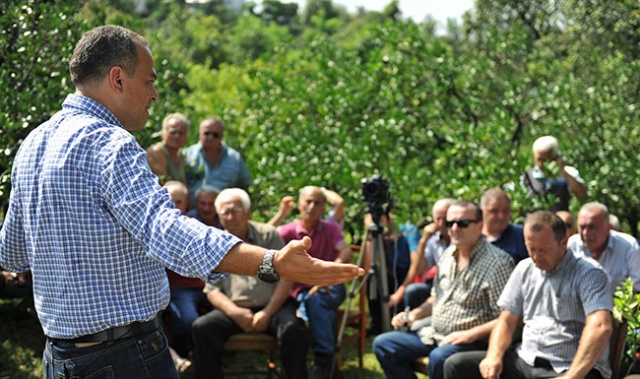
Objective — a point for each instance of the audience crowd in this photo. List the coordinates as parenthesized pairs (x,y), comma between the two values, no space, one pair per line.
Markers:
(459,297)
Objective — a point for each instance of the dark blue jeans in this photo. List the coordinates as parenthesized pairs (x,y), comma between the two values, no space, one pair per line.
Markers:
(397,350)
(143,356)
(320,312)
(417,293)
(183,309)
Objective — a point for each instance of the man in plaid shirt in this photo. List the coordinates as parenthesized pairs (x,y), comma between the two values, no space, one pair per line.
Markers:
(463,304)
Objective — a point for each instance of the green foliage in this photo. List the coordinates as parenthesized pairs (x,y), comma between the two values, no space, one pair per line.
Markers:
(36,42)
(627,308)
(329,98)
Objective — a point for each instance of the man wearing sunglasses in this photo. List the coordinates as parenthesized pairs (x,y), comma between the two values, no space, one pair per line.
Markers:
(463,303)
(212,162)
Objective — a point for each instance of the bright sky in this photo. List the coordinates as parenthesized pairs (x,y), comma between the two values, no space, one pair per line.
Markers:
(441,10)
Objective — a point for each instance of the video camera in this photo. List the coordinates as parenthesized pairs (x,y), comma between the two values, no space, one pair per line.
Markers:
(375,192)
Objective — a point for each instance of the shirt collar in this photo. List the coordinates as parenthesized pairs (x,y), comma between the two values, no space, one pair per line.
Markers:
(88,105)
(302,231)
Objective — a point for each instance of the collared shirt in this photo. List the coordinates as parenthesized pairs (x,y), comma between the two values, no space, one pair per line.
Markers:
(554,306)
(469,297)
(436,245)
(228,172)
(620,258)
(90,220)
(512,241)
(326,238)
(249,291)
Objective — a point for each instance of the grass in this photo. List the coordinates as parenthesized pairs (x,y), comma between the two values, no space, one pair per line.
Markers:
(23,342)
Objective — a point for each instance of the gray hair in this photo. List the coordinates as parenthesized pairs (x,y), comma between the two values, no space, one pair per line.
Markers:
(228,193)
(546,144)
(207,188)
(175,116)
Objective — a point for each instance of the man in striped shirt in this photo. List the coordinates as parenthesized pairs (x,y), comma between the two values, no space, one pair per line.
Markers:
(565,304)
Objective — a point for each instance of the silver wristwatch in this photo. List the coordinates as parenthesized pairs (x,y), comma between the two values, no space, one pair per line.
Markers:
(266,271)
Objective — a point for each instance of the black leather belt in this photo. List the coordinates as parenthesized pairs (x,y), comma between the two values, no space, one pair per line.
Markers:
(119,332)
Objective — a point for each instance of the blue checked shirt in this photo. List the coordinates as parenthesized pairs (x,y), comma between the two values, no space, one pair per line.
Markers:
(90,220)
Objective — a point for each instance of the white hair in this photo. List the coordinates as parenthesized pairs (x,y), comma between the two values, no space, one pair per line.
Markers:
(229,193)
(546,144)
(175,116)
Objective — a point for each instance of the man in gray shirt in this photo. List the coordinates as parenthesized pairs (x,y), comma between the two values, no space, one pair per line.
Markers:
(565,303)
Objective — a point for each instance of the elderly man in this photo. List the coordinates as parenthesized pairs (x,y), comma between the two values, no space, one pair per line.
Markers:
(617,252)
(463,303)
(434,240)
(205,210)
(544,179)
(212,162)
(496,213)
(245,304)
(565,303)
(318,304)
(165,158)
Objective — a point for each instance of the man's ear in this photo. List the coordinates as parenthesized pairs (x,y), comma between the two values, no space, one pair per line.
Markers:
(115,78)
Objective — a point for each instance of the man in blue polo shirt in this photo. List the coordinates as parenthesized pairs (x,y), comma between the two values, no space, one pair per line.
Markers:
(212,162)
(496,212)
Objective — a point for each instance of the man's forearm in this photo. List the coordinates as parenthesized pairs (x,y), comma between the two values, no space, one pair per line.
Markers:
(242,259)
(595,337)
(502,334)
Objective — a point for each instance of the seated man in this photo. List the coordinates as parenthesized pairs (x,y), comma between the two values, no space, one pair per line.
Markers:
(212,162)
(205,210)
(246,304)
(618,253)
(496,213)
(565,303)
(318,304)
(463,303)
(435,239)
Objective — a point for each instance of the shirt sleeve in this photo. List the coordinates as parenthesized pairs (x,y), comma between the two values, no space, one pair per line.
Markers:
(13,249)
(512,299)
(595,291)
(142,207)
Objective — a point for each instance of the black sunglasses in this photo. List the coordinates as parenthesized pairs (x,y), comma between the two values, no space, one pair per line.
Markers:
(461,223)
(215,135)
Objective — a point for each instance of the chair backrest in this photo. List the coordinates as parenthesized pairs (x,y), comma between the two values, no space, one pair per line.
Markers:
(616,346)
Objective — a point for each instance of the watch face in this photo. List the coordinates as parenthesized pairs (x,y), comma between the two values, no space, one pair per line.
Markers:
(268,277)
(266,272)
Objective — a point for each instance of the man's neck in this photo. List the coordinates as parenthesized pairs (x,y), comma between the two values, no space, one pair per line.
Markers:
(491,234)
(309,225)
(212,155)
(173,152)
(597,252)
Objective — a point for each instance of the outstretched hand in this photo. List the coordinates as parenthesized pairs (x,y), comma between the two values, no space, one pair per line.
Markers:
(295,264)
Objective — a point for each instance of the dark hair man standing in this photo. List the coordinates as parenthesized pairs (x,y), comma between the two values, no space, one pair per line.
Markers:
(91,221)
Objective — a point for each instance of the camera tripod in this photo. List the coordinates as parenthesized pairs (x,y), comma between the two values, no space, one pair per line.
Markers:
(377,278)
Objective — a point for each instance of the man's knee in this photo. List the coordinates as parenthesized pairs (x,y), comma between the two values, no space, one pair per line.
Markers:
(463,365)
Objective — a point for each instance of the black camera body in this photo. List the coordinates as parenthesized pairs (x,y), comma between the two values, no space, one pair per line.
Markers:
(375,192)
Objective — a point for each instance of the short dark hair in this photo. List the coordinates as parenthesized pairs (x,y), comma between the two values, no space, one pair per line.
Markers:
(102,48)
(537,220)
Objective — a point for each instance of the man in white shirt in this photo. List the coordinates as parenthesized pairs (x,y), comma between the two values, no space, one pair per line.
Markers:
(618,253)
